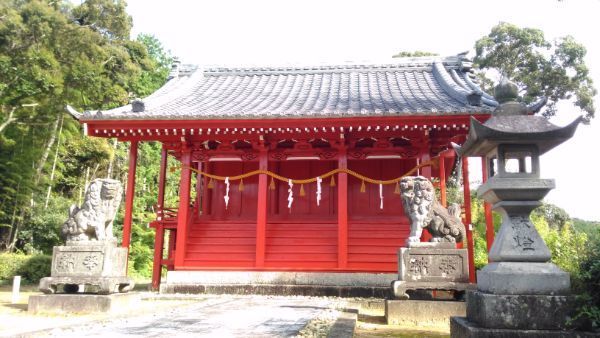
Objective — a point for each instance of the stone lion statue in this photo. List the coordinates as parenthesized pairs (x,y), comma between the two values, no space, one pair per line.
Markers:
(424,211)
(94,220)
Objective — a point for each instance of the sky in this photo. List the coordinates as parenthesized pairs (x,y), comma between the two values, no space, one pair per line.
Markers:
(308,32)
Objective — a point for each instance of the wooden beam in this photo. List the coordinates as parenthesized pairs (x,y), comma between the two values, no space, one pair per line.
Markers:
(342,210)
(184,206)
(468,219)
(487,209)
(261,212)
(129,194)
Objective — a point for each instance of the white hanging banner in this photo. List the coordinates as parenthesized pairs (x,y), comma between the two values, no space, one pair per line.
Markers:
(290,194)
(226,192)
(380,196)
(319,180)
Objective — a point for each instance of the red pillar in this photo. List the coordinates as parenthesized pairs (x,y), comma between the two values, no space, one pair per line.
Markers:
(129,194)
(261,211)
(162,176)
(159,235)
(426,172)
(342,210)
(205,192)
(184,205)
(487,209)
(442,168)
(468,219)
(198,200)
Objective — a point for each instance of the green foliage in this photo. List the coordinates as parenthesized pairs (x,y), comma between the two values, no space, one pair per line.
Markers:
(554,69)
(36,268)
(31,268)
(10,264)
(52,53)
(587,286)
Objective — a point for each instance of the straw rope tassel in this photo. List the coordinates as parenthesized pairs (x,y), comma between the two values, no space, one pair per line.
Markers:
(332,183)
(397,188)
(211,184)
(241,186)
(302,193)
(272,184)
(363,188)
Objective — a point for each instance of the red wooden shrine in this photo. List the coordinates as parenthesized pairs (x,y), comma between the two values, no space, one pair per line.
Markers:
(380,121)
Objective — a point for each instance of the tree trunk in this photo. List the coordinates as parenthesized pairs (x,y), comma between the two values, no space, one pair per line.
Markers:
(9,120)
(54,163)
(46,153)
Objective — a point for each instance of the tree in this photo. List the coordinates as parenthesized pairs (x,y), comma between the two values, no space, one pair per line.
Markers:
(554,69)
(52,54)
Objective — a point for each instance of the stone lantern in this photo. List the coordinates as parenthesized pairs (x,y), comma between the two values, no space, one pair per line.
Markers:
(520,289)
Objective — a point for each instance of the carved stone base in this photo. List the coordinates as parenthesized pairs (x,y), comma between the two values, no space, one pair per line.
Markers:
(100,285)
(101,267)
(399,288)
(431,266)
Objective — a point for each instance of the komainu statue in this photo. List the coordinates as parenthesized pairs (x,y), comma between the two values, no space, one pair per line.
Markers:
(91,261)
(424,211)
(94,220)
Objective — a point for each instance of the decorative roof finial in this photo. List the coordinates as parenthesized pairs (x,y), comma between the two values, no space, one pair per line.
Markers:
(137,106)
(506,91)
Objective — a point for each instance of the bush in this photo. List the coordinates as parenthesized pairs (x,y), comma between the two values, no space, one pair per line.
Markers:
(587,286)
(30,268)
(10,265)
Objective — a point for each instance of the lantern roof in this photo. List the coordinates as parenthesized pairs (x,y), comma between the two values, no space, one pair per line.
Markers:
(515,129)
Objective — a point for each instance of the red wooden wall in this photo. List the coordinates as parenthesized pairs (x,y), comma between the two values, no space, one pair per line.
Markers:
(305,237)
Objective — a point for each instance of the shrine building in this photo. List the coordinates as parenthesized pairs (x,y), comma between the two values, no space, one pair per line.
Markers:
(297,168)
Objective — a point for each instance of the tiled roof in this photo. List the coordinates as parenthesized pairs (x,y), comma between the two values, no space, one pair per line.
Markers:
(417,86)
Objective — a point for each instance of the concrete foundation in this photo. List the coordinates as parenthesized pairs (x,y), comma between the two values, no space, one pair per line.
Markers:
(279,283)
(178,278)
(461,328)
(82,303)
(422,312)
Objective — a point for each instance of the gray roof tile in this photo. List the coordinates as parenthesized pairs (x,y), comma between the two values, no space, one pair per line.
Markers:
(426,86)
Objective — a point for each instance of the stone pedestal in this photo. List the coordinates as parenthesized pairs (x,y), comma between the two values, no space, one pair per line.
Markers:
(431,266)
(82,303)
(101,267)
(422,312)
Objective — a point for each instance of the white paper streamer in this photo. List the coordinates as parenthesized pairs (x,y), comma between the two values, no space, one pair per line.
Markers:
(380,196)
(319,180)
(290,194)
(226,192)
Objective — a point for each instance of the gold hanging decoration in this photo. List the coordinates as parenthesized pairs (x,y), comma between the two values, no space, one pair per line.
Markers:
(302,193)
(272,185)
(363,188)
(241,186)
(211,184)
(397,188)
(332,183)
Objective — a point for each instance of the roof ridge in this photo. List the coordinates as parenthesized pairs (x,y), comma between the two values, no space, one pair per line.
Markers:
(394,63)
